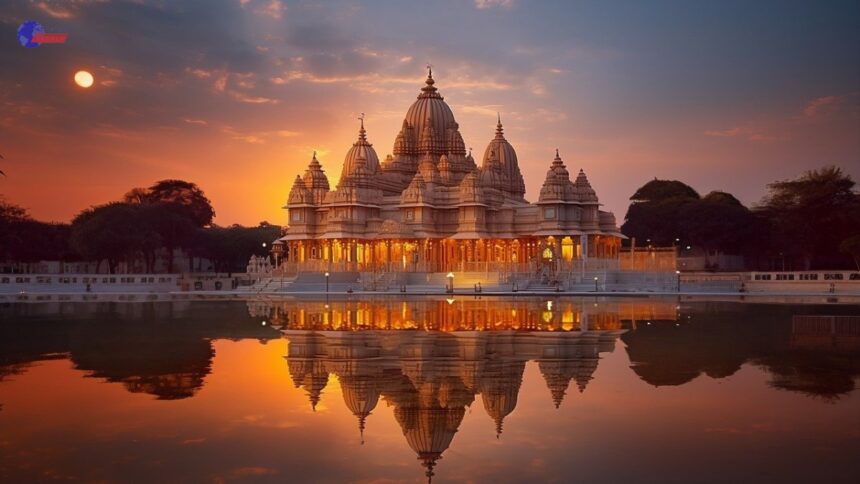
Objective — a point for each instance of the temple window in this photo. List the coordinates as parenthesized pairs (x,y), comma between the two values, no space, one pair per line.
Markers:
(410,214)
(549,213)
(567,249)
(296,215)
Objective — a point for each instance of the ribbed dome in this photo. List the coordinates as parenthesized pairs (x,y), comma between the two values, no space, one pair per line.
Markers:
(507,157)
(360,149)
(430,106)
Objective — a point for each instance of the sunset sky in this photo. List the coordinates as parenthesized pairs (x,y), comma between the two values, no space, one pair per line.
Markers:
(235,95)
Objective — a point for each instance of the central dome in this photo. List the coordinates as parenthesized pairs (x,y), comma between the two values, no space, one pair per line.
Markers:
(430,108)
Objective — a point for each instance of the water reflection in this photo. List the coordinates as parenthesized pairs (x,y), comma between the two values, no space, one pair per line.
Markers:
(430,378)
(424,364)
(812,354)
(163,349)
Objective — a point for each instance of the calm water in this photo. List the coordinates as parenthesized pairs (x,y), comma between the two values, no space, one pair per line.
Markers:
(486,390)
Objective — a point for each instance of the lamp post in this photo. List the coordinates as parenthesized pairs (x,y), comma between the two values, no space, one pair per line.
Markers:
(451,282)
(326,282)
(678,274)
(595,283)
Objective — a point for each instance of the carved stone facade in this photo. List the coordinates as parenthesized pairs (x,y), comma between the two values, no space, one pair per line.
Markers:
(430,207)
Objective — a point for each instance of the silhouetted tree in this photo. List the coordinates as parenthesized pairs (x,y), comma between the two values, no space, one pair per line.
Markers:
(23,239)
(811,215)
(118,231)
(657,190)
(851,246)
(185,196)
(718,222)
(655,213)
(184,209)
(229,248)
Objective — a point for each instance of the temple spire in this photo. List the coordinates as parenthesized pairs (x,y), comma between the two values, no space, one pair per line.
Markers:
(499,131)
(429,90)
(362,134)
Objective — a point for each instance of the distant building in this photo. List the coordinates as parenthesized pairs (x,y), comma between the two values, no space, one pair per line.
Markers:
(430,207)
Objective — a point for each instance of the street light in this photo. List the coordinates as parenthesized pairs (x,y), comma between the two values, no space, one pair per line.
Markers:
(451,282)
(678,273)
(326,282)
(264,245)
(595,283)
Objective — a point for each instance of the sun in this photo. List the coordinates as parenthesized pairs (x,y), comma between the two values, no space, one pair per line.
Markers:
(83,79)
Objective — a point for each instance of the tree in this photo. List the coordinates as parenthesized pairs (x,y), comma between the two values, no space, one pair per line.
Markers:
(811,215)
(183,195)
(656,211)
(229,248)
(23,239)
(851,246)
(115,232)
(657,190)
(718,222)
(184,208)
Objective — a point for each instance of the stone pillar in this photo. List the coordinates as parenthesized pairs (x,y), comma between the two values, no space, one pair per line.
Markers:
(583,242)
(557,254)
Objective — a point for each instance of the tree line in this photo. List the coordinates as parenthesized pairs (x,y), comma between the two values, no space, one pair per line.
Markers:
(811,222)
(146,226)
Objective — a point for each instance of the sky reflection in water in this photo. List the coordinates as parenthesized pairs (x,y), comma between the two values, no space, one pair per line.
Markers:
(502,390)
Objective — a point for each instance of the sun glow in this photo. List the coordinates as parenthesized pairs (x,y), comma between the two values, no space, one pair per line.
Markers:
(84,79)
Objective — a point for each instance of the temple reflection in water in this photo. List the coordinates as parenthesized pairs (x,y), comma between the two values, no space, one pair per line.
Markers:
(430,378)
(430,360)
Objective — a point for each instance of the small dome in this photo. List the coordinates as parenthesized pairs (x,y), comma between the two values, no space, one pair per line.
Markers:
(583,188)
(315,178)
(299,194)
(507,158)
(360,149)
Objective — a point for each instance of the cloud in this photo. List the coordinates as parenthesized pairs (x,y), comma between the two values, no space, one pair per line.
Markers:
(252,99)
(725,133)
(273,8)
(258,137)
(201,73)
(486,110)
(202,122)
(486,4)
(820,111)
(221,83)
(750,133)
(55,11)
(821,106)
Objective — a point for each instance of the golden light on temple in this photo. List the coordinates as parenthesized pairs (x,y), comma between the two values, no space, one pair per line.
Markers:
(84,79)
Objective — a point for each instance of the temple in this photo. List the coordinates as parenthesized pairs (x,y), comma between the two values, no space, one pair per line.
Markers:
(430,207)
